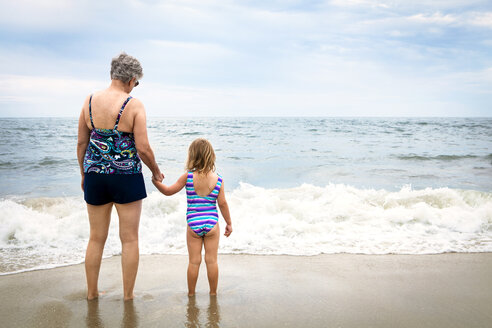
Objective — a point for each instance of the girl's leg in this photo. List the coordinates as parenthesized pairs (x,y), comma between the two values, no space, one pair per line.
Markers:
(129,215)
(211,243)
(99,218)
(194,243)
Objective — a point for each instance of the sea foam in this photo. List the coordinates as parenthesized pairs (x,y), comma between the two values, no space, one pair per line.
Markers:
(305,220)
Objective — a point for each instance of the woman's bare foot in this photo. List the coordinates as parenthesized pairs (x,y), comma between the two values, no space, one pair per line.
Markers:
(213,293)
(91,296)
(191,294)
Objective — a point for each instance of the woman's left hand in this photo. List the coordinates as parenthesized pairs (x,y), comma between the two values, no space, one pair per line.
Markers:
(82,183)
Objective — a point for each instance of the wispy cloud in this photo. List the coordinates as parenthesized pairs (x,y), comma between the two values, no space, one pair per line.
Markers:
(202,49)
(435,18)
(481,19)
(370,3)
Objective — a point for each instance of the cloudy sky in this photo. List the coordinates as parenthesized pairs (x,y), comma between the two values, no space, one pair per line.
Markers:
(252,57)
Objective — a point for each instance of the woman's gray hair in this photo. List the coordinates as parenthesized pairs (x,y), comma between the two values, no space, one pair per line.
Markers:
(125,67)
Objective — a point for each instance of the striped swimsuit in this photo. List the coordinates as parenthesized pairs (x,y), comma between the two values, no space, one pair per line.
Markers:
(201,214)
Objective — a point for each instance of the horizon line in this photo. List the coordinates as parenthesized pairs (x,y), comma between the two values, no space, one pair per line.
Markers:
(260,116)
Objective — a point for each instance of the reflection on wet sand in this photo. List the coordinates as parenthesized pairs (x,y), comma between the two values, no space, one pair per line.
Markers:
(193,313)
(93,318)
(130,315)
(213,312)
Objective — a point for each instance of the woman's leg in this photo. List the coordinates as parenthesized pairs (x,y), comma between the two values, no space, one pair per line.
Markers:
(194,243)
(129,215)
(211,242)
(99,218)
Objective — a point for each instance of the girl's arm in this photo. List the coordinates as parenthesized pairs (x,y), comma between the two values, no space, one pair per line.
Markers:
(172,189)
(224,210)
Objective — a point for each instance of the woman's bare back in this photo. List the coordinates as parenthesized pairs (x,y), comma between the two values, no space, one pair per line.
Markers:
(106,105)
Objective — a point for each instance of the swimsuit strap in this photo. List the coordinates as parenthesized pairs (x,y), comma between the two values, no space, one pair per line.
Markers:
(90,112)
(121,112)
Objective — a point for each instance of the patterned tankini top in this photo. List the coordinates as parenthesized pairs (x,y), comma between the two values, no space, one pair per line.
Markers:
(111,151)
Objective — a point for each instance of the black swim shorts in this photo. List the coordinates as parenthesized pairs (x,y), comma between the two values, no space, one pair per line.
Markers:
(102,188)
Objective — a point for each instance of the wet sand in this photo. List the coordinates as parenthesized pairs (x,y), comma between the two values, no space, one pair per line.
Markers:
(342,290)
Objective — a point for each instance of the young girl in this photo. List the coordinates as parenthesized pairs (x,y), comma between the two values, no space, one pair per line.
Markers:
(204,188)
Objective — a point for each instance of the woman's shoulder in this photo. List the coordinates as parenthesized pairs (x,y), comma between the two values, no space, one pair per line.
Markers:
(135,102)
(97,94)
(85,107)
(135,107)
(100,97)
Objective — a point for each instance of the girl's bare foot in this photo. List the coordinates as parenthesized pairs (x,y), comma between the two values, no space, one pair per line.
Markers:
(129,298)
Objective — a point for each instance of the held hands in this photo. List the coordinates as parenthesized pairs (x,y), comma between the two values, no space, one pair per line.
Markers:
(155,181)
(158,178)
(228,230)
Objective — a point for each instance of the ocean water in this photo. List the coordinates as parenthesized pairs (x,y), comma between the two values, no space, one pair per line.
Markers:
(300,186)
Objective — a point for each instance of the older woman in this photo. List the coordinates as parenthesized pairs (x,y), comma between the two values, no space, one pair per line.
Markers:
(112,139)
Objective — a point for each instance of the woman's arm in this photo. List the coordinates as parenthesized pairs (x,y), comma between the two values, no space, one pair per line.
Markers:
(82,140)
(142,140)
(172,189)
(224,210)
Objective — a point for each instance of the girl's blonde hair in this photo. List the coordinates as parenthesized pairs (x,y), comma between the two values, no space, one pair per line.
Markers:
(201,156)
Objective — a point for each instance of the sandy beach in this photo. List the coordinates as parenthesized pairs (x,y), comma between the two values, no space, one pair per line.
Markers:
(342,290)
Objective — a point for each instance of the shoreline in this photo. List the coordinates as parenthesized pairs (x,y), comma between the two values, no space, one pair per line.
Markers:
(346,290)
(56,266)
